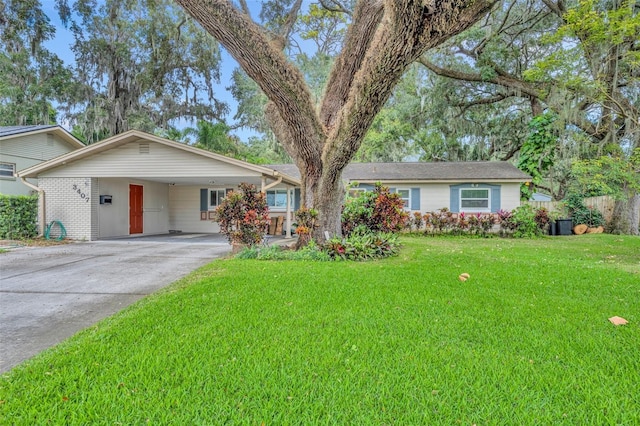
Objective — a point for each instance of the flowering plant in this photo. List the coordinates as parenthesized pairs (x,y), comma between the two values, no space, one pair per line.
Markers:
(243,215)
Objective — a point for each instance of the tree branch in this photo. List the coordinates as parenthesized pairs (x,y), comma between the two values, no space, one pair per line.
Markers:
(406,31)
(283,84)
(245,8)
(338,7)
(366,18)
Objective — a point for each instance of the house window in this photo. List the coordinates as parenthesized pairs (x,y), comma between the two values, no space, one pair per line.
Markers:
(277,198)
(405,194)
(7,170)
(215,197)
(355,192)
(476,200)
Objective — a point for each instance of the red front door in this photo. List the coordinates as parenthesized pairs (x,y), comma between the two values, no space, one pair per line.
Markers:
(135,209)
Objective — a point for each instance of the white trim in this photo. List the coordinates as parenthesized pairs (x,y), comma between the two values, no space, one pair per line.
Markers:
(408,199)
(276,208)
(211,207)
(475,209)
(11,176)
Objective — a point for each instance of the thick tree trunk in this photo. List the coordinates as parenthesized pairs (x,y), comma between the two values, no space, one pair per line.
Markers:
(626,216)
(384,38)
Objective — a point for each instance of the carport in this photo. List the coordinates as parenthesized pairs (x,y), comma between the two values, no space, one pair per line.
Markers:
(138,183)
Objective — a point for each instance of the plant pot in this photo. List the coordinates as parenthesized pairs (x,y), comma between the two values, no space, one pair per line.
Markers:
(564,226)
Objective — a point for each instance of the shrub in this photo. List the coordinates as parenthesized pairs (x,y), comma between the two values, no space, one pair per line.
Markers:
(581,214)
(244,215)
(18,216)
(306,220)
(523,222)
(440,221)
(309,252)
(542,218)
(362,246)
(505,219)
(378,210)
(418,220)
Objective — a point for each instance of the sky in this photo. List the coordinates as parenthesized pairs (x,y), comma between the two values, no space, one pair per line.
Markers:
(63,40)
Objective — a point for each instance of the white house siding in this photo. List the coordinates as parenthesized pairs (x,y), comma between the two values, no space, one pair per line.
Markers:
(184,210)
(26,151)
(135,161)
(433,197)
(510,196)
(69,200)
(113,219)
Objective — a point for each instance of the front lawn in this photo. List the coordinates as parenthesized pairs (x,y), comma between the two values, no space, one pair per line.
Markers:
(525,340)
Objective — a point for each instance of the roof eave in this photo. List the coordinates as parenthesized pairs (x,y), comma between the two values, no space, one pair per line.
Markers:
(61,132)
(458,180)
(136,135)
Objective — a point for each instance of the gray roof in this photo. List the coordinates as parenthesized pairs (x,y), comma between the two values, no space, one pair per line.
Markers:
(16,130)
(442,171)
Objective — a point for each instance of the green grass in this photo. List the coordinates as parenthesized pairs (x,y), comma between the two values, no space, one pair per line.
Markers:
(525,340)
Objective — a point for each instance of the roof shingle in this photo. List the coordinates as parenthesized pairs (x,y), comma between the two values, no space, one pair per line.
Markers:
(16,130)
(442,171)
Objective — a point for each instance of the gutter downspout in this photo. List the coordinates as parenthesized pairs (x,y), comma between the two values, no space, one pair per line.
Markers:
(272,184)
(42,217)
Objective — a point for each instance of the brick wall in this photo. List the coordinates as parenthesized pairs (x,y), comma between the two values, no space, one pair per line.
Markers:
(72,201)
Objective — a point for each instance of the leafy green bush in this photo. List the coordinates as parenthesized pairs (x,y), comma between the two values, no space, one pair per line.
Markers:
(523,222)
(581,214)
(378,210)
(363,246)
(309,252)
(18,216)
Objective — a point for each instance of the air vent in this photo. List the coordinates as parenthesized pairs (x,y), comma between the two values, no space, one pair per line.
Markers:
(144,148)
(49,139)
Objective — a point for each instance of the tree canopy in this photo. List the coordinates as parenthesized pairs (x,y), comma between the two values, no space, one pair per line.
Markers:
(322,83)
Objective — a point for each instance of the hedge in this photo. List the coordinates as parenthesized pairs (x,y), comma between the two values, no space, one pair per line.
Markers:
(18,216)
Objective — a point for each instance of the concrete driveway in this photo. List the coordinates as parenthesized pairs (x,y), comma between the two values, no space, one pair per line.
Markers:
(47,294)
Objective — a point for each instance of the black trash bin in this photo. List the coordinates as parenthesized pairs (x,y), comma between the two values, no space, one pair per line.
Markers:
(564,226)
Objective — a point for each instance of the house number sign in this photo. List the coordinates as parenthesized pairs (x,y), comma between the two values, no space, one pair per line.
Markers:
(82,195)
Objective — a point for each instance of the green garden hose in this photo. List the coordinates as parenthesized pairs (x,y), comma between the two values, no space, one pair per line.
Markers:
(63,231)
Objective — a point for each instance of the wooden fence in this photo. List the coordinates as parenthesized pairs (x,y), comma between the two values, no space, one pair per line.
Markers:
(604,204)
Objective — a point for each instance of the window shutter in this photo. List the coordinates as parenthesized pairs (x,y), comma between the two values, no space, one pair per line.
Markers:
(495,198)
(415,198)
(296,199)
(203,200)
(454,198)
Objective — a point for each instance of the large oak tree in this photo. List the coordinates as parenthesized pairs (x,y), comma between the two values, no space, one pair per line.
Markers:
(383,39)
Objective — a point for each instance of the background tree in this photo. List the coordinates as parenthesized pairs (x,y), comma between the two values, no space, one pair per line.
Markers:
(383,39)
(142,64)
(578,59)
(31,77)
(617,176)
